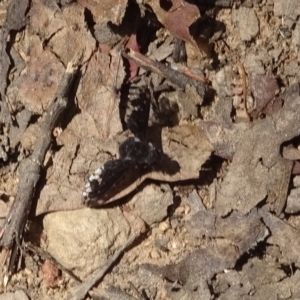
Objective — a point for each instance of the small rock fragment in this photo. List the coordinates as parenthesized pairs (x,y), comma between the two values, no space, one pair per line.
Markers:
(51,274)
(264,88)
(152,203)
(286,8)
(296,181)
(18,295)
(164,226)
(154,254)
(296,35)
(247,23)
(291,68)
(293,202)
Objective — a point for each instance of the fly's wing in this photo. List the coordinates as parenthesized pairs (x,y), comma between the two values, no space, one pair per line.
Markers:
(137,113)
(104,182)
(138,151)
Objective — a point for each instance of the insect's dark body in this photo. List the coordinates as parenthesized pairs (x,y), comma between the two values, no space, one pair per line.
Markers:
(139,152)
(135,155)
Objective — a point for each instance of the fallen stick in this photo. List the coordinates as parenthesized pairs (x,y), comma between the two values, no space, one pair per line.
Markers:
(82,289)
(177,78)
(28,247)
(29,175)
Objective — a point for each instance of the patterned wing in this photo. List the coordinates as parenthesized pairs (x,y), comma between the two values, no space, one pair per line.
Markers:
(137,113)
(104,179)
(135,155)
(140,152)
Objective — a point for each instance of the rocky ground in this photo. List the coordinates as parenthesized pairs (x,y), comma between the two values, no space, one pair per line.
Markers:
(150,149)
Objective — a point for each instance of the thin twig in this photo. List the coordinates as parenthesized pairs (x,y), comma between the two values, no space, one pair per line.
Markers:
(188,72)
(243,75)
(28,247)
(175,77)
(29,174)
(81,290)
(245,89)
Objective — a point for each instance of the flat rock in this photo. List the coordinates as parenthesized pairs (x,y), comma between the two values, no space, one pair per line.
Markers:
(247,21)
(83,240)
(17,295)
(152,203)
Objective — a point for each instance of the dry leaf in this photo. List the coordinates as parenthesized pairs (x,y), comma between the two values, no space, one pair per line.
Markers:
(178,18)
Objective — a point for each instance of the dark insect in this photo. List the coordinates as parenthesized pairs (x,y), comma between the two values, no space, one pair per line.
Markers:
(135,154)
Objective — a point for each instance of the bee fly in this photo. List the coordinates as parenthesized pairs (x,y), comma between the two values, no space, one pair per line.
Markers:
(135,155)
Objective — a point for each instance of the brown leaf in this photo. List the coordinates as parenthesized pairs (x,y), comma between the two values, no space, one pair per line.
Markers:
(178,18)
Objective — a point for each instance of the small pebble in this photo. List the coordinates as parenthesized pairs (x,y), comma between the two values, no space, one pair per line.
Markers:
(164,226)
(179,210)
(155,254)
(174,245)
(187,210)
(29,280)
(174,223)
(296,181)
(27,271)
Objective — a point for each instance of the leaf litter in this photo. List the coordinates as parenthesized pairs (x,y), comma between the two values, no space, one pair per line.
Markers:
(232,144)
